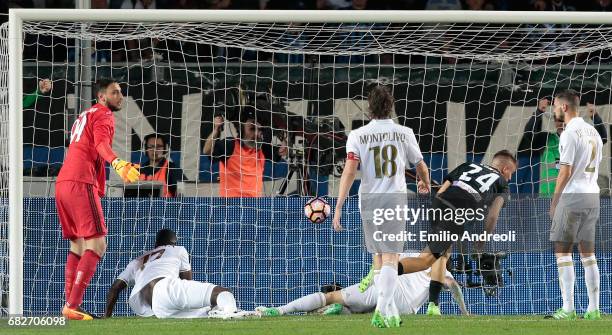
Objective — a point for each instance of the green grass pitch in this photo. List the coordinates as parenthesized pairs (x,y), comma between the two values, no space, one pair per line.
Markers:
(329,325)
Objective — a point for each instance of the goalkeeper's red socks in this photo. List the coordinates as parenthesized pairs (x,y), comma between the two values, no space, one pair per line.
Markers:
(85,271)
(72,262)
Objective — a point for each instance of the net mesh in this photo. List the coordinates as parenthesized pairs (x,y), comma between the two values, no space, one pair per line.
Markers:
(472,40)
(467,90)
(4,158)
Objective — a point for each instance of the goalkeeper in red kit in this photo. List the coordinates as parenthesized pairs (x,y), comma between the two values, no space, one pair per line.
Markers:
(78,189)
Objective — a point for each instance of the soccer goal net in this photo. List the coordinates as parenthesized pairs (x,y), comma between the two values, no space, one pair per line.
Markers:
(468,84)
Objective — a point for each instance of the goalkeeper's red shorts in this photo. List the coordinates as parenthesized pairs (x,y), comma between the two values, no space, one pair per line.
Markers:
(80,210)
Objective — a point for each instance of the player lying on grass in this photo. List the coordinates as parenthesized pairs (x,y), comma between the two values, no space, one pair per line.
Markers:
(412,293)
(469,186)
(163,286)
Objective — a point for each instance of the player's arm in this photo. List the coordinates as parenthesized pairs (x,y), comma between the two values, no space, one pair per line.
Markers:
(348,177)
(187,275)
(125,278)
(415,157)
(444,186)
(102,130)
(565,172)
(346,181)
(491,220)
(423,173)
(451,284)
(567,148)
(112,296)
(185,265)
(451,177)
(493,215)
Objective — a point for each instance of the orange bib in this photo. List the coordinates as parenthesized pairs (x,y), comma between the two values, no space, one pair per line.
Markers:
(241,174)
(160,175)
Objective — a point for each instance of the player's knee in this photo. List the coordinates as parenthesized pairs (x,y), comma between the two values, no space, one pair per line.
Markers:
(586,248)
(77,246)
(215,293)
(97,245)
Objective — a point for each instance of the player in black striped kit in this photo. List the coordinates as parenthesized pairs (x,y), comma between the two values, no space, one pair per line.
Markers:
(469,186)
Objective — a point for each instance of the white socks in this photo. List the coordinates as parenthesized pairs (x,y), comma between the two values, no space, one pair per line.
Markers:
(567,277)
(591,278)
(304,304)
(386,284)
(226,302)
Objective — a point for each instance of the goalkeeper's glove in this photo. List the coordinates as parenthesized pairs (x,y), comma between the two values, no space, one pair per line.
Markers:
(126,170)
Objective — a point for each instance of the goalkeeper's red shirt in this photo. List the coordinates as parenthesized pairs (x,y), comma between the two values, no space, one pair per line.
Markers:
(83,163)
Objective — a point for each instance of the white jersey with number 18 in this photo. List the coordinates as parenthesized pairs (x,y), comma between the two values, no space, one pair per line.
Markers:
(384,150)
(161,262)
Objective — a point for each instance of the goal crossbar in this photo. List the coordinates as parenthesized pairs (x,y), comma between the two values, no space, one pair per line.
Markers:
(311,16)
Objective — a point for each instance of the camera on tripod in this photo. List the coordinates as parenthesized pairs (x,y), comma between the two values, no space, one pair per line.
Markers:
(324,136)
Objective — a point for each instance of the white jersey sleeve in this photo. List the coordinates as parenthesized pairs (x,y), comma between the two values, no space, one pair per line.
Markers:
(128,275)
(412,149)
(162,262)
(352,147)
(184,259)
(567,148)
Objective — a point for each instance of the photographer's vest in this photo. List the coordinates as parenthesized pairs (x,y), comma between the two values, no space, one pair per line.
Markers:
(160,175)
(241,174)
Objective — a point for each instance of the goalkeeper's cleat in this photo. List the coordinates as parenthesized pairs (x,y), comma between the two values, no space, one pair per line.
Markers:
(432,309)
(333,309)
(74,314)
(267,311)
(81,310)
(127,171)
(592,315)
(377,320)
(366,281)
(560,314)
(393,321)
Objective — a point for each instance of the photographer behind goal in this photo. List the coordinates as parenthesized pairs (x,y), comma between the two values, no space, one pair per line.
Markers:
(241,158)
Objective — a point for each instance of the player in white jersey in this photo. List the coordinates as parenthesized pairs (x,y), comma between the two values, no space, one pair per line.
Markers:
(575,206)
(383,150)
(163,285)
(411,293)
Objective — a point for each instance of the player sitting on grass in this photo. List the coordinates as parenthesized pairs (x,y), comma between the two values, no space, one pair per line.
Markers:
(412,293)
(163,286)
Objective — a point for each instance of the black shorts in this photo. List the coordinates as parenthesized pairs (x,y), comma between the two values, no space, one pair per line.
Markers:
(442,231)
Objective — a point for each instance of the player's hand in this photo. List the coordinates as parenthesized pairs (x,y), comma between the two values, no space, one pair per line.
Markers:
(423,188)
(551,212)
(479,246)
(543,105)
(45,85)
(126,170)
(591,109)
(336,222)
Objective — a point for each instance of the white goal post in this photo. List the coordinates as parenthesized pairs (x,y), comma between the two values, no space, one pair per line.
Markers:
(17,18)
